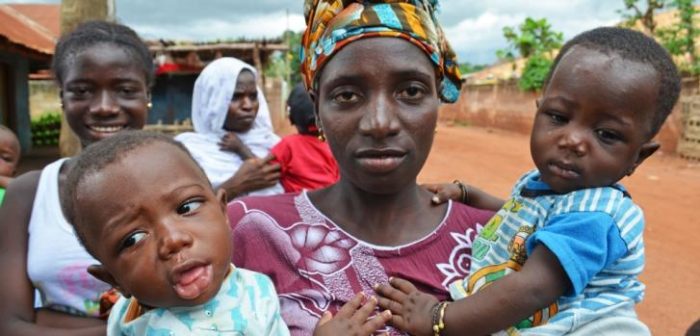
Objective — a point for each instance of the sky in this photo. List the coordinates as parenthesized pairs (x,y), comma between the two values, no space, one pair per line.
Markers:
(474,28)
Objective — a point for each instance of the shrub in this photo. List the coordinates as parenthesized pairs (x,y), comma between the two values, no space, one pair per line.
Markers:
(535,73)
(46,129)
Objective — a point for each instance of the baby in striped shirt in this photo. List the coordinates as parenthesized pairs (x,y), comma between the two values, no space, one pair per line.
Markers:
(563,254)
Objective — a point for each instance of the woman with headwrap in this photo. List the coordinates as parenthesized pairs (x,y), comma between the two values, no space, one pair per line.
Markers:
(233,133)
(377,71)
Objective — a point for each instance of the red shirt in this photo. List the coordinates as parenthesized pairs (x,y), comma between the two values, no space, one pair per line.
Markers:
(306,163)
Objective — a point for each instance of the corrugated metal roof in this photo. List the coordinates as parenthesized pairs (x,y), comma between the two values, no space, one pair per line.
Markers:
(25,25)
(47,15)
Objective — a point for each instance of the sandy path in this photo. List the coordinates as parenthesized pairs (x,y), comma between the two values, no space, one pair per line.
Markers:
(666,188)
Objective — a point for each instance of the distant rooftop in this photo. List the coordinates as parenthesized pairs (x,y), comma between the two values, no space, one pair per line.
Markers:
(33,28)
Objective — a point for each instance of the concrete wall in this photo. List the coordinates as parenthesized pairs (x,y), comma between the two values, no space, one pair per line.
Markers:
(43,97)
(504,106)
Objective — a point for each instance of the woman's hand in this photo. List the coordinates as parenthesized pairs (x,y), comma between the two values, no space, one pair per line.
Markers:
(444,192)
(230,142)
(411,309)
(254,174)
(351,319)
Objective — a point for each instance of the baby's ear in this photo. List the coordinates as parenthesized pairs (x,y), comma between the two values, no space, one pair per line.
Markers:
(647,149)
(99,272)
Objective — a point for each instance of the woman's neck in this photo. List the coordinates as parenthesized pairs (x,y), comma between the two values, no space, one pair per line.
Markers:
(381,219)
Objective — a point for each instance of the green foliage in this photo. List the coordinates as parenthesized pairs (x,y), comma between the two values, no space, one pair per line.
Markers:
(535,73)
(466,68)
(287,63)
(531,38)
(680,38)
(46,129)
(633,12)
(534,40)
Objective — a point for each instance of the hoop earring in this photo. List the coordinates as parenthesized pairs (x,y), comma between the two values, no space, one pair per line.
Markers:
(321,136)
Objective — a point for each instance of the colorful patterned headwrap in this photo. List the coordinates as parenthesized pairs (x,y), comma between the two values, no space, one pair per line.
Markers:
(333,24)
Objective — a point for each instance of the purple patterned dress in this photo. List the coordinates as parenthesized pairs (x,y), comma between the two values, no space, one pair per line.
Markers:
(316,266)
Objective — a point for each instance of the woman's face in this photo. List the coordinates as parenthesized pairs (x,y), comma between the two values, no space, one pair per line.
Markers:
(377,104)
(244,104)
(104,91)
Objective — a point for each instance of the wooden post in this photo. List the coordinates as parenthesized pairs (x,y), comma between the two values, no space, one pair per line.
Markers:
(73,13)
(258,63)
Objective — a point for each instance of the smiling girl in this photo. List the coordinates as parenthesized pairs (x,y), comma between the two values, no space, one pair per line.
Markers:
(104,72)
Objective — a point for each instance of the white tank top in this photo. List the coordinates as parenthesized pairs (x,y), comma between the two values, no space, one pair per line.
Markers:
(56,261)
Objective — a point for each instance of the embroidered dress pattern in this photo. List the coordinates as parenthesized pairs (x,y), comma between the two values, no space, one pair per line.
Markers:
(316,266)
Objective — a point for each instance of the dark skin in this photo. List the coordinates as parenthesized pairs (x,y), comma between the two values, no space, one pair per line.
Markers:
(104,91)
(155,231)
(377,104)
(9,156)
(244,104)
(242,111)
(255,173)
(353,319)
(592,128)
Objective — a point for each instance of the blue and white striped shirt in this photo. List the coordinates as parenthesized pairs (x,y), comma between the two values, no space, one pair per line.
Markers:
(595,233)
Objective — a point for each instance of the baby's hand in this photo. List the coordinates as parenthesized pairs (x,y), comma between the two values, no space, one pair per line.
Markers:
(444,192)
(351,319)
(411,310)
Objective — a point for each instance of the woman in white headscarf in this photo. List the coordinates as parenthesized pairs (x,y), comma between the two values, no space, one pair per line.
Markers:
(233,133)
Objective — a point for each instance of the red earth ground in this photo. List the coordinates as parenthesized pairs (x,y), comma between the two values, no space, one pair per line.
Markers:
(666,187)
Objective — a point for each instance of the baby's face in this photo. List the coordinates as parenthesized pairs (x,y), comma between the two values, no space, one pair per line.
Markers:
(157,227)
(593,122)
(9,153)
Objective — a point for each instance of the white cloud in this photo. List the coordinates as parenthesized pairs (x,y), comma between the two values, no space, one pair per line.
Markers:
(207,29)
(473,27)
(476,40)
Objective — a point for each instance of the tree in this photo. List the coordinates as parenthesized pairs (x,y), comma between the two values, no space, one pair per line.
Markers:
(633,13)
(679,38)
(287,64)
(535,73)
(534,37)
(534,40)
(466,68)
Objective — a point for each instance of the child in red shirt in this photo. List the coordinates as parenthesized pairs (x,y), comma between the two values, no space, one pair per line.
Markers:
(306,161)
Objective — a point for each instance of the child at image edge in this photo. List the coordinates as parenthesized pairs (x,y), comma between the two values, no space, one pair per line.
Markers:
(9,158)
(563,254)
(165,245)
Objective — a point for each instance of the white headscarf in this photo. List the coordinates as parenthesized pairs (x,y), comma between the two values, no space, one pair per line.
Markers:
(211,97)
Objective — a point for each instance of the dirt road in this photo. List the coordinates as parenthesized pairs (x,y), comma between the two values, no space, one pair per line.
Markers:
(667,188)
